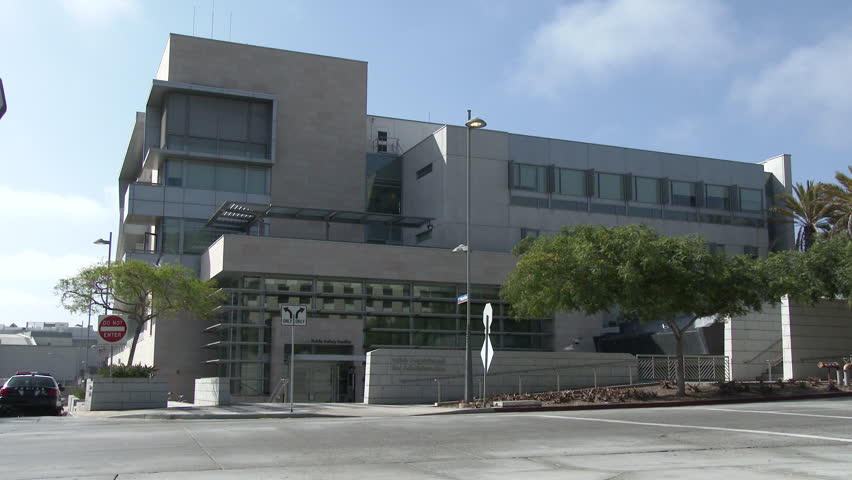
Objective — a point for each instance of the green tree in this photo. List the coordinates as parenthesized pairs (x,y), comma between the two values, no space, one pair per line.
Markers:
(139,291)
(824,271)
(840,203)
(808,208)
(637,271)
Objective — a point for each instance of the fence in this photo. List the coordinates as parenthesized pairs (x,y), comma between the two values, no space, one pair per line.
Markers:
(699,368)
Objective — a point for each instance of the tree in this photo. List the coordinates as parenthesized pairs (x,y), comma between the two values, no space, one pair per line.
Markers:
(824,271)
(138,290)
(634,269)
(808,208)
(840,203)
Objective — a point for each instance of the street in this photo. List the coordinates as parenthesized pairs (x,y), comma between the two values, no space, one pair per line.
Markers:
(803,439)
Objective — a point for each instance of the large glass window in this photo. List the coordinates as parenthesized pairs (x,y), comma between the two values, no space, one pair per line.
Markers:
(646,190)
(683,194)
(610,186)
(751,199)
(384,184)
(218,125)
(170,235)
(717,197)
(528,177)
(435,291)
(572,182)
(223,178)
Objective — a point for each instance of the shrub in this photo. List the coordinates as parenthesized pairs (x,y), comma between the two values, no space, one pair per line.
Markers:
(128,371)
(78,392)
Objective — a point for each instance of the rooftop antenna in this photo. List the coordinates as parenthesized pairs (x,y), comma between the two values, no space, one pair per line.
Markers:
(230,18)
(193,20)
(212,17)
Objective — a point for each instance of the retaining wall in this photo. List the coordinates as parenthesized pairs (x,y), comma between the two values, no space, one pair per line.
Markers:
(126,393)
(410,376)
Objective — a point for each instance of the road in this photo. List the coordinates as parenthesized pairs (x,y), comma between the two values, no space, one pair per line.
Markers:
(804,439)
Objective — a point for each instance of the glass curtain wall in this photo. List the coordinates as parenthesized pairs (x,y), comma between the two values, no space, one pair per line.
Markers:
(393,314)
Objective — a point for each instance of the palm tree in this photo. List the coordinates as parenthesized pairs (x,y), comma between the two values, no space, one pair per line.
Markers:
(808,208)
(840,198)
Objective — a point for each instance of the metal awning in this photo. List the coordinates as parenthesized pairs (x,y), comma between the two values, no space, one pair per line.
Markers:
(240,216)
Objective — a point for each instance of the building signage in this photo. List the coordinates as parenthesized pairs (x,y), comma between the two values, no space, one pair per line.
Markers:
(487,353)
(2,99)
(112,330)
(462,299)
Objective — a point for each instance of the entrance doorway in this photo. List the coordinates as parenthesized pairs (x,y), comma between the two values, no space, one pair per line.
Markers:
(332,382)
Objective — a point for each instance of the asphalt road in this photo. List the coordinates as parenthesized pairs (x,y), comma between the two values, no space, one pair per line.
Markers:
(804,439)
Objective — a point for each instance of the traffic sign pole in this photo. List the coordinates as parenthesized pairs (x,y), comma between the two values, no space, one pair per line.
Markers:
(293,315)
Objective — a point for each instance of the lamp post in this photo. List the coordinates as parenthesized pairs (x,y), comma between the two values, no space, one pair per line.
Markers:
(471,124)
(108,243)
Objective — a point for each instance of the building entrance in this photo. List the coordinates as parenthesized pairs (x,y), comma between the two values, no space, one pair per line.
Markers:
(324,382)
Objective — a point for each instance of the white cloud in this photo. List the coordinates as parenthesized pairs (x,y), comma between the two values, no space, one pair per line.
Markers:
(594,39)
(100,12)
(17,298)
(810,84)
(22,204)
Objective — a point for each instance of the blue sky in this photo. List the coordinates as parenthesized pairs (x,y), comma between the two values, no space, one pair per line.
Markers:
(728,79)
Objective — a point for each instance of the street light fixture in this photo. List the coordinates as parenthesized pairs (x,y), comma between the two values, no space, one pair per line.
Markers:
(108,243)
(472,123)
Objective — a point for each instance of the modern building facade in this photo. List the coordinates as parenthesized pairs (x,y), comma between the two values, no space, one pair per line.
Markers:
(260,168)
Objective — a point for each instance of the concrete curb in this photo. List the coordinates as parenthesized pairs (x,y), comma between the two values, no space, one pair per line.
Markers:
(224,416)
(610,406)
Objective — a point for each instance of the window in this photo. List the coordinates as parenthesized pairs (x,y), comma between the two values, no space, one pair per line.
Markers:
(528,177)
(646,190)
(384,184)
(610,186)
(221,178)
(751,251)
(383,136)
(683,194)
(218,125)
(717,197)
(608,209)
(530,232)
(382,141)
(644,212)
(571,182)
(751,199)
(528,202)
(716,247)
(424,171)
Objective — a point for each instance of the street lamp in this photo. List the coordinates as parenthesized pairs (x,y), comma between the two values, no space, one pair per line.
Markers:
(472,123)
(108,243)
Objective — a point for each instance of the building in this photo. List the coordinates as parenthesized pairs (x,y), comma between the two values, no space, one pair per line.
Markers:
(53,347)
(261,168)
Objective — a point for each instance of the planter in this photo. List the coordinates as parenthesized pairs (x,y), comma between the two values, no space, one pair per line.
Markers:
(212,391)
(104,393)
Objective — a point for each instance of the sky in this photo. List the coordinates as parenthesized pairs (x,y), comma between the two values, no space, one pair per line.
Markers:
(735,80)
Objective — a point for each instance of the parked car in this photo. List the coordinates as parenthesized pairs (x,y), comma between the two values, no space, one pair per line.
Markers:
(31,391)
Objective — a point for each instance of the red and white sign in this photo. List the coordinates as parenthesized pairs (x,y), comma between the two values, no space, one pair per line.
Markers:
(112,329)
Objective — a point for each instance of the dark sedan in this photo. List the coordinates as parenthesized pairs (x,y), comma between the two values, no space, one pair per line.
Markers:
(31,391)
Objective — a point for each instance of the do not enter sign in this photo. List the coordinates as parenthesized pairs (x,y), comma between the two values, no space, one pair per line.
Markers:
(112,329)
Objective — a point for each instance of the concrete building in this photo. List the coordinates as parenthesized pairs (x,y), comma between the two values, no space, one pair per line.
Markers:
(261,168)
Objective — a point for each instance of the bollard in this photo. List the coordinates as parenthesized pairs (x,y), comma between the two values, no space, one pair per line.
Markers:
(595,372)
(439,388)
(520,390)
(630,375)
(558,384)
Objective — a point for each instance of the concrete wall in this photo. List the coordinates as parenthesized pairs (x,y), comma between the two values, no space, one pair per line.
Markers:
(753,339)
(236,253)
(319,121)
(64,363)
(409,376)
(212,391)
(125,393)
(815,333)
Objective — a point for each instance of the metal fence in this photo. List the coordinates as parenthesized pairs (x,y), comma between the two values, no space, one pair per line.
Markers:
(698,368)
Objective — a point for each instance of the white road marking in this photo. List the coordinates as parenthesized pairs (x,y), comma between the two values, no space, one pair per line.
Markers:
(695,427)
(770,412)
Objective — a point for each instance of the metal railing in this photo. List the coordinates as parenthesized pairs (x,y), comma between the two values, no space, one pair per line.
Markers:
(697,368)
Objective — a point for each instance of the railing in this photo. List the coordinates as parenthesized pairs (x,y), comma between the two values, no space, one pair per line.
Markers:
(698,368)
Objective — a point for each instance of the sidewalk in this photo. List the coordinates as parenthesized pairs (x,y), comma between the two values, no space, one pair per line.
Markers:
(188,411)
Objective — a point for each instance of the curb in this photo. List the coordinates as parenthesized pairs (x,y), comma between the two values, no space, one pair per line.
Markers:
(612,406)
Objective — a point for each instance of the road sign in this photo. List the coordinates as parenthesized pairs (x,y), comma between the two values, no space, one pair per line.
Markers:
(462,299)
(487,353)
(294,314)
(112,330)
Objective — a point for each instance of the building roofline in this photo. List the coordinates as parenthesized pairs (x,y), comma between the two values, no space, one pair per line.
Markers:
(174,35)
